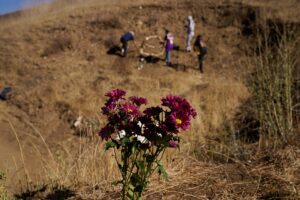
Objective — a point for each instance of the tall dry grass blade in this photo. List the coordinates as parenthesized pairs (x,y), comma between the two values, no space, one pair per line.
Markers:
(27,177)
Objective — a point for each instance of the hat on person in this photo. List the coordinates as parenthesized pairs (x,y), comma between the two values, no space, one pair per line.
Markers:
(132,33)
(190,17)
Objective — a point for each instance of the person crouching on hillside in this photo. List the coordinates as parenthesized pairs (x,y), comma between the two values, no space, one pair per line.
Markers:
(200,48)
(126,37)
(190,32)
(169,43)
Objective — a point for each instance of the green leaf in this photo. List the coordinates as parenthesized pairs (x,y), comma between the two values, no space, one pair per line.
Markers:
(126,141)
(161,171)
(109,145)
(131,187)
(165,140)
(117,182)
(137,183)
(130,194)
(140,164)
(133,149)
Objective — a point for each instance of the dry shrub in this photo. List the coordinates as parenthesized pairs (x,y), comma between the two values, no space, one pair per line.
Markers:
(69,164)
(271,87)
(108,23)
(66,112)
(111,41)
(212,137)
(81,162)
(246,124)
(296,98)
(3,192)
(60,42)
(151,21)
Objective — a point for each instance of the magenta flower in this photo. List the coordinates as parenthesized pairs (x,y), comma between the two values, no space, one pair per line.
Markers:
(141,137)
(178,104)
(171,101)
(116,94)
(172,144)
(130,109)
(155,123)
(106,132)
(153,111)
(180,120)
(110,106)
(138,100)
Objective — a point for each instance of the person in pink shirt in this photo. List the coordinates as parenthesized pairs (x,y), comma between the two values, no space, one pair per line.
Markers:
(169,44)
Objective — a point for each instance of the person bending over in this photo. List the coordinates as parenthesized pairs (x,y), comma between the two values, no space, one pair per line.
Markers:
(126,37)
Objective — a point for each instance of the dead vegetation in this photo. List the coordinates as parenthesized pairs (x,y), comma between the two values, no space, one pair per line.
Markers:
(109,23)
(61,42)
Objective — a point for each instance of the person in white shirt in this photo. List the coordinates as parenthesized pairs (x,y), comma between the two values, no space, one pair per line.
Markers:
(190,32)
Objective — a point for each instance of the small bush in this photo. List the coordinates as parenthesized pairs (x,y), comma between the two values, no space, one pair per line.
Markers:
(3,193)
(151,21)
(271,87)
(109,23)
(110,42)
(59,43)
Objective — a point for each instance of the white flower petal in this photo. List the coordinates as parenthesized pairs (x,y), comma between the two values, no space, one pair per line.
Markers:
(140,124)
(141,139)
(121,134)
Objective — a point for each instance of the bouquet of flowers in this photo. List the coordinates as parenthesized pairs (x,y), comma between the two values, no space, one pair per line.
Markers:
(139,138)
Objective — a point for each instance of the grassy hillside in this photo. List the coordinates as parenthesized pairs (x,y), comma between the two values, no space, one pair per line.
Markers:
(54,58)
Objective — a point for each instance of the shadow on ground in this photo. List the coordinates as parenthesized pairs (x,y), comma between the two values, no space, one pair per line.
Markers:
(43,192)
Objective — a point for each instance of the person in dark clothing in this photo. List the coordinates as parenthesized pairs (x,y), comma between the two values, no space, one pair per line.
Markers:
(129,36)
(200,48)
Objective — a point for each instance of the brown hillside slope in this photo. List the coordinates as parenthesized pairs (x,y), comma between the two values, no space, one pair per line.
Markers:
(54,58)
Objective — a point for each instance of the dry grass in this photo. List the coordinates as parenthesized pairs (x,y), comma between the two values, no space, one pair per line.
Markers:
(3,192)
(59,43)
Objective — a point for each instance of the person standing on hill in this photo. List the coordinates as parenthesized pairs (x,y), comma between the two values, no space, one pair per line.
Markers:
(200,48)
(169,43)
(126,37)
(190,32)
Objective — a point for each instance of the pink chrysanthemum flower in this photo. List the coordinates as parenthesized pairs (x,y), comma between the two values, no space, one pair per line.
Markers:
(181,111)
(176,103)
(116,94)
(138,100)
(180,120)
(110,106)
(130,110)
